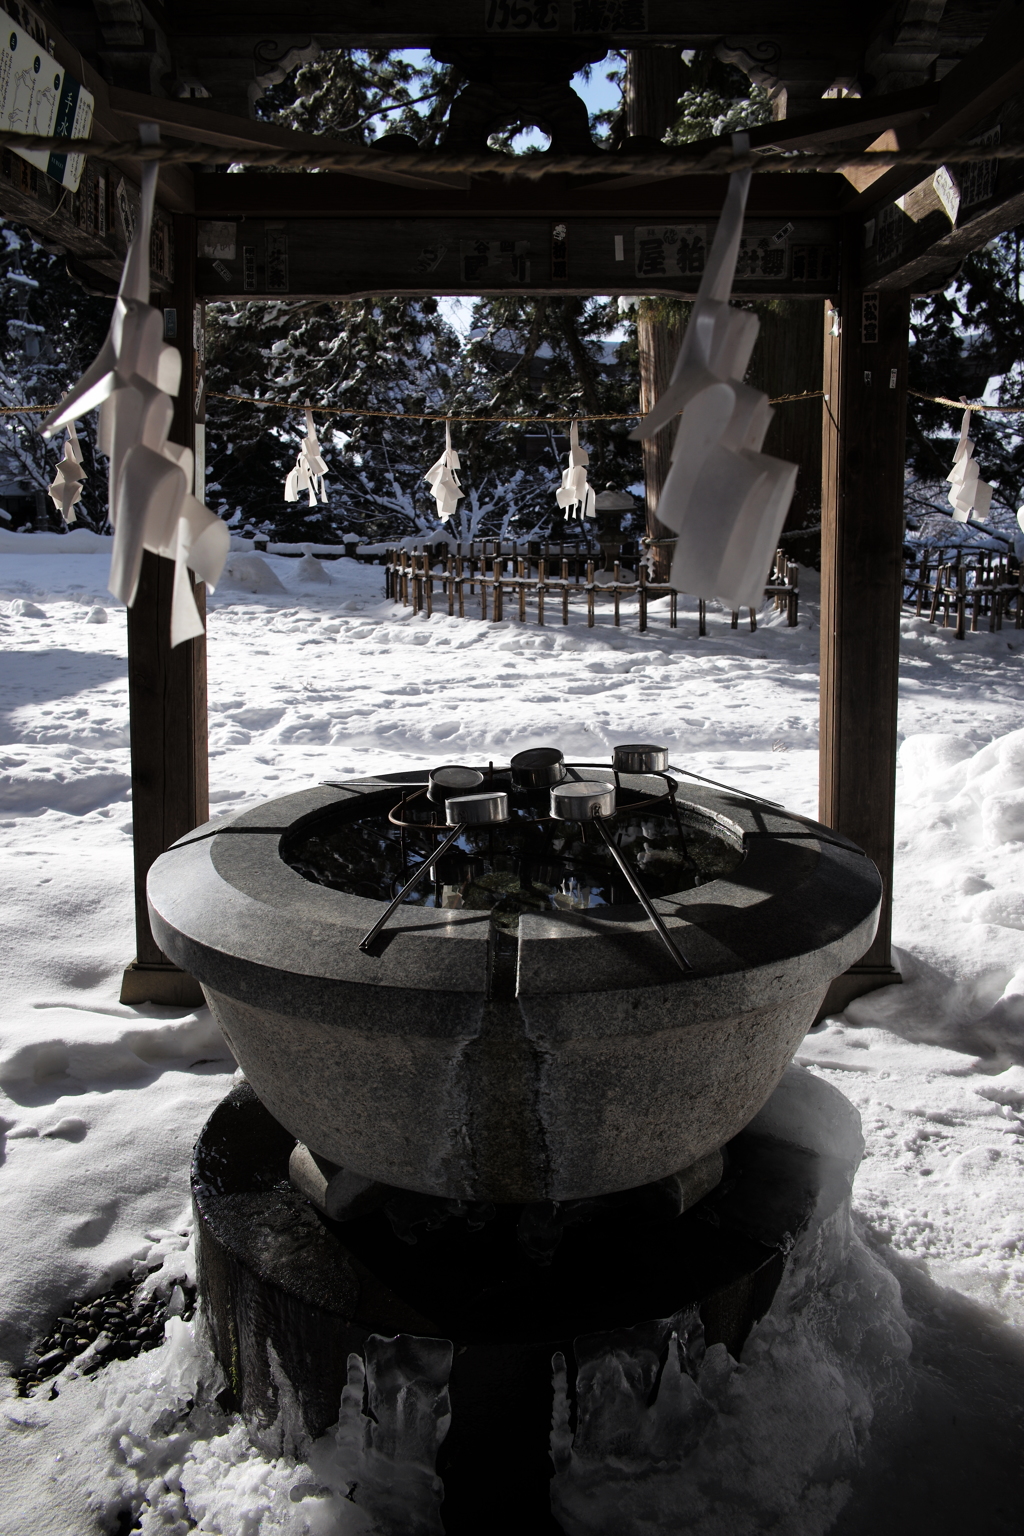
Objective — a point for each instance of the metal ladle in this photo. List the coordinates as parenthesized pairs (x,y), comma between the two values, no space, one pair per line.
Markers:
(592,801)
(461,812)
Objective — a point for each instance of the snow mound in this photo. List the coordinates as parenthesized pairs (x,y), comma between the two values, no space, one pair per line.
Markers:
(310,571)
(21,608)
(248,573)
(989,781)
(31,788)
(77,541)
(96,615)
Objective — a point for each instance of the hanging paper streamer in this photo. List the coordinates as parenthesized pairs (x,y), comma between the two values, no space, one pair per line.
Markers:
(723,497)
(66,490)
(310,469)
(443,479)
(967,490)
(151,505)
(575,494)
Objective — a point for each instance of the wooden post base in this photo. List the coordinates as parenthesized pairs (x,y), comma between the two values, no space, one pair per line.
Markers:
(163,984)
(855,982)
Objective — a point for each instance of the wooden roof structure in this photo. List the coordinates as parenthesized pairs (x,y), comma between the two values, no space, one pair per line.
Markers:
(920,78)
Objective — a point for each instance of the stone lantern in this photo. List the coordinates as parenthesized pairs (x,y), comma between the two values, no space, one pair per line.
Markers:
(611,507)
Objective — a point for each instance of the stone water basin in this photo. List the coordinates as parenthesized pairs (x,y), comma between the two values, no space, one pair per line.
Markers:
(519,1032)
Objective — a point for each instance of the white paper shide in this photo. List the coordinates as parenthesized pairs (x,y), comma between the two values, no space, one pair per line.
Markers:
(151,505)
(575,495)
(724,499)
(66,486)
(968,492)
(443,478)
(310,470)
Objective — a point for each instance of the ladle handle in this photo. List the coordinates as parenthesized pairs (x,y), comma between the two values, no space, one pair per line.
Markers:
(643,898)
(365,943)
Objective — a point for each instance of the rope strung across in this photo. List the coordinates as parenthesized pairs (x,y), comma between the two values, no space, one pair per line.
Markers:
(719,161)
(339,410)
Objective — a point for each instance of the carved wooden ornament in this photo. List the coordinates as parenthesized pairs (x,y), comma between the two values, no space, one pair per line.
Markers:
(150,506)
(725,499)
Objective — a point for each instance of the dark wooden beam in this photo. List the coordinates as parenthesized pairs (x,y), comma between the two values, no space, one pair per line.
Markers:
(167,697)
(989,75)
(863,453)
(411,24)
(931,248)
(846,120)
(852,122)
(258,194)
(353,257)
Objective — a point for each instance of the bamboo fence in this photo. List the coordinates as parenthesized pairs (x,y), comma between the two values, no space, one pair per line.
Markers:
(953,580)
(507,579)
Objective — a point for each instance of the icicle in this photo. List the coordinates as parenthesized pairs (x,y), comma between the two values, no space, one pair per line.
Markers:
(967,490)
(151,505)
(725,500)
(576,492)
(66,490)
(443,479)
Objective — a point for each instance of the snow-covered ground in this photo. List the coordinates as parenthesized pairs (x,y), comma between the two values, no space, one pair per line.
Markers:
(922,1353)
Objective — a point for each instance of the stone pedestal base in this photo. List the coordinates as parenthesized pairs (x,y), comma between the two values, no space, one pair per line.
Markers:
(855,982)
(164,984)
(289,1293)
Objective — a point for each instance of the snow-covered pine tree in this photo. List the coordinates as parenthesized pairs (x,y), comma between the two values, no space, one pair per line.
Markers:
(50,330)
(963,339)
(384,355)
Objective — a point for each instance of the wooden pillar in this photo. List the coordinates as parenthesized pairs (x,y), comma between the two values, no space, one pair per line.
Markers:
(654,82)
(658,343)
(167,688)
(865,380)
(787,361)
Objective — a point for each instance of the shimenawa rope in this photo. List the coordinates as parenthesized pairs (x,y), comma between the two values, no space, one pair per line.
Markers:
(719,161)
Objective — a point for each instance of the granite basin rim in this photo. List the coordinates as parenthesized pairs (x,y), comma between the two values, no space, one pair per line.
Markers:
(795,912)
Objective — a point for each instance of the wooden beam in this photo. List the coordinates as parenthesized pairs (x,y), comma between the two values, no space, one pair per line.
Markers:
(286,194)
(109,125)
(977,87)
(411,24)
(166,695)
(921,270)
(851,121)
(865,376)
(226,130)
(353,257)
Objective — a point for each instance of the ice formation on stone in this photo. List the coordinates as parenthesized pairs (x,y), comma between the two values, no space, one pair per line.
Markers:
(442,477)
(310,469)
(576,495)
(673,1435)
(724,499)
(968,492)
(151,505)
(66,488)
